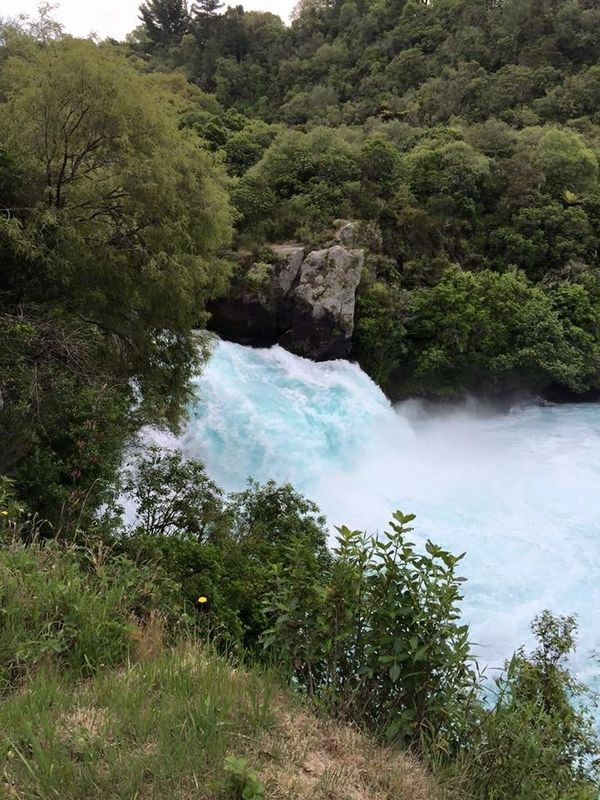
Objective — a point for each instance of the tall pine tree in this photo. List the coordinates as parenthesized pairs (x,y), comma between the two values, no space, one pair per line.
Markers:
(166,20)
(206,7)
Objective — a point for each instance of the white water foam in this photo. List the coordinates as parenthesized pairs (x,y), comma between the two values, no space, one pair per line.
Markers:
(519,492)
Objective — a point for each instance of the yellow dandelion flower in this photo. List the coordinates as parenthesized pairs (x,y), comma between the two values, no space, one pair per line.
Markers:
(202,600)
(3,513)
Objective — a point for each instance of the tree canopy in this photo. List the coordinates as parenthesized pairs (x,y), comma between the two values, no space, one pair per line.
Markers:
(461,134)
(112,220)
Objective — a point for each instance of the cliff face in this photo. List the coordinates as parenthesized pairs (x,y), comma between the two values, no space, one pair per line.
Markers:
(303,300)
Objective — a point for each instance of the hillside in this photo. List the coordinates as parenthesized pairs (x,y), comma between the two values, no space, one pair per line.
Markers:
(462,134)
(187,724)
(301,672)
(99,698)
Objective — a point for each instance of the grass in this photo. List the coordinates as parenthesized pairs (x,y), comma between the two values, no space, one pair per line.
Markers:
(104,695)
(166,727)
(77,608)
(95,702)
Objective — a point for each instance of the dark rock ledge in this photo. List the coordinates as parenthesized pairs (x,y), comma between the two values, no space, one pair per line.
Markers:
(302,300)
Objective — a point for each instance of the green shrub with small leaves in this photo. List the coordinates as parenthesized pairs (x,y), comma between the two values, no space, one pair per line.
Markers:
(538,739)
(217,546)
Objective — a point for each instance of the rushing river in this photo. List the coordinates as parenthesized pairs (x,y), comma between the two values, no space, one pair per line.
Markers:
(520,492)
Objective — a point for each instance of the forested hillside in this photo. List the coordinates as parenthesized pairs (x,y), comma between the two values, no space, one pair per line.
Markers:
(420,62)
(463,134)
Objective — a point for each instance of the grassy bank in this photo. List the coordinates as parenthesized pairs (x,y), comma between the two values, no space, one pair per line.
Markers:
(98,703)
(186,724)
(113,687)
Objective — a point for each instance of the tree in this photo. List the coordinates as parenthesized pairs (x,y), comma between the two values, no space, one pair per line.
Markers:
(167,21)
(206,7)
(380,166)
(109,256)
(490,332)
(566,161)
(119,191)
(307,178)
(539,738)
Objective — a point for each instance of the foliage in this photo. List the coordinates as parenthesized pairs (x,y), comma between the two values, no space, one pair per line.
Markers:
(245,147)
(113,219)
(78,608)
(379,333)
(243,783)
(172,496)
(378,640)
(149,214)
(305,177)
(372,634)
(182,524)
(490,332)
(216,546)
(538,740)
(427,62)
(64,417)
(166,20)
(465,132)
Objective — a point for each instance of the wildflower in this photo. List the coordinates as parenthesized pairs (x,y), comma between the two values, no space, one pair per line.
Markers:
(202,600)
(4,513)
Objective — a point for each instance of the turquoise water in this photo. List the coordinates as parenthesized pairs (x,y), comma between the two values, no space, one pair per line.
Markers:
(520,492)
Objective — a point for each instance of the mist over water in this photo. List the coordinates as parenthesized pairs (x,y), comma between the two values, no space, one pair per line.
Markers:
(519,492)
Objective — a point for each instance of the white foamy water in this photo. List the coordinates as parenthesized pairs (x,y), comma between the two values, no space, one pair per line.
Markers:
(519,492)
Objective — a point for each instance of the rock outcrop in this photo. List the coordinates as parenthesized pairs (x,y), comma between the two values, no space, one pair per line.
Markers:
(321,318)
(289,258)
(303,301)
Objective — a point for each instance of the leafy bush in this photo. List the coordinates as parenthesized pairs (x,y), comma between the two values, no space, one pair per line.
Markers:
(492,333)
(538,741)
(378,640)
(303,180)
(173,496)
(64,417)
(242,783)
(215,546)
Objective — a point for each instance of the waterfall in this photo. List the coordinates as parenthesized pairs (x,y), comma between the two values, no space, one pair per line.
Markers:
(519,492)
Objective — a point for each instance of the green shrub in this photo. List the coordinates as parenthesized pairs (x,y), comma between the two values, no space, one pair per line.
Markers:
(173,496)
(242,781)
(492,333)
(538,741)
(378,640)
(219,547)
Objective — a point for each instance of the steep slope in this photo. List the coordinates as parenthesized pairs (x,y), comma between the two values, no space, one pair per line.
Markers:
(185,724)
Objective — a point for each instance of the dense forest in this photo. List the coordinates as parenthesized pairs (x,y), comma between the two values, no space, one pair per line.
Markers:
(462,134)
(462,137)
